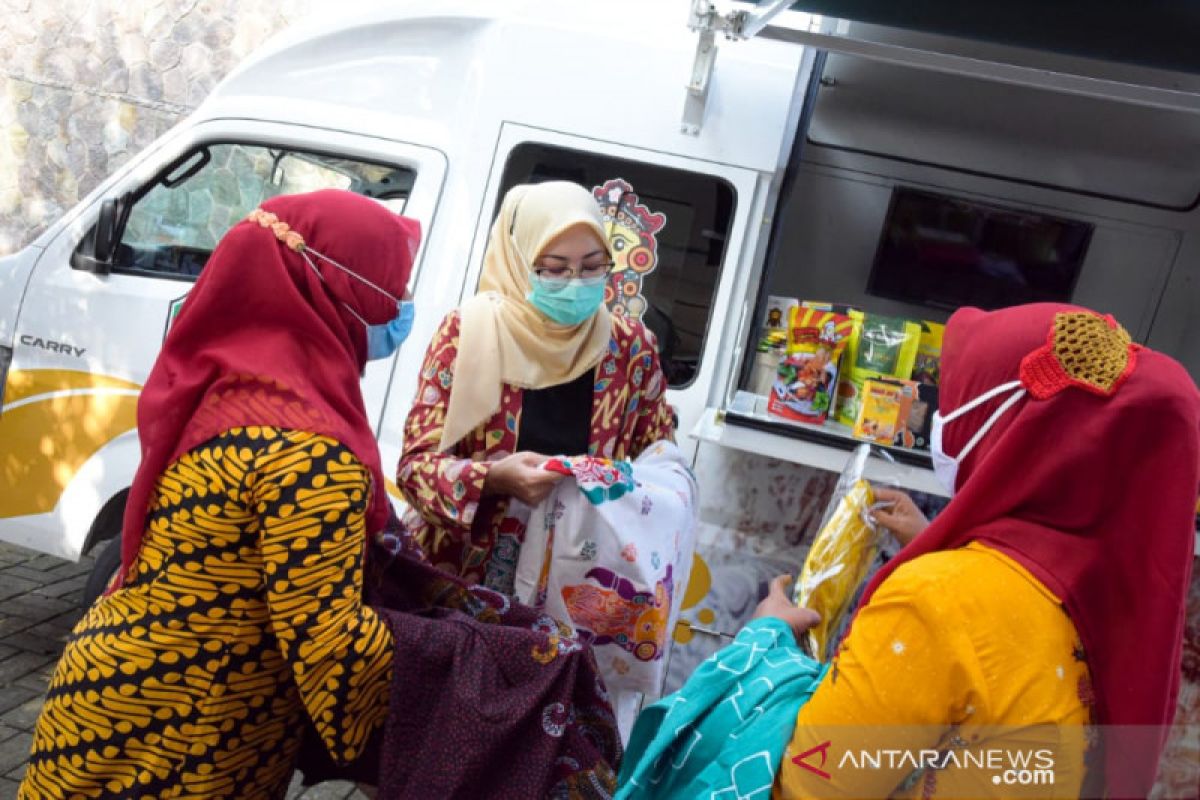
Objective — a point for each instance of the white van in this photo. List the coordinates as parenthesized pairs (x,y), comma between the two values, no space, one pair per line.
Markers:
(777,164)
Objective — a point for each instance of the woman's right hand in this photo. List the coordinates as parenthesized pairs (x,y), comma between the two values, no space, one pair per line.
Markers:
(902,518)
(521,476)
(777,604)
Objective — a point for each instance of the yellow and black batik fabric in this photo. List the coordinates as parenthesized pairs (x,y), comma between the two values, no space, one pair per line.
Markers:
(243,615)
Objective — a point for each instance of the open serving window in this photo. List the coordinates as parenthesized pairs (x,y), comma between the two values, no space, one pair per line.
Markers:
(843,352)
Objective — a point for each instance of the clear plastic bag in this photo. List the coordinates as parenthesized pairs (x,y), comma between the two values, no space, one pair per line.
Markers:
(840,557)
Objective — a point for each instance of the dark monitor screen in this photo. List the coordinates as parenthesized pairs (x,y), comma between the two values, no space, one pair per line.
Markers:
(944,252)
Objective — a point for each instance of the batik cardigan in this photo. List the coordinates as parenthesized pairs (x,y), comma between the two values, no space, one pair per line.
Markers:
(462,531)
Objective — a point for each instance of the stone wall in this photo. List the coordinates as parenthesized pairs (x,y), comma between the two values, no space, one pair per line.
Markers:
(85,84)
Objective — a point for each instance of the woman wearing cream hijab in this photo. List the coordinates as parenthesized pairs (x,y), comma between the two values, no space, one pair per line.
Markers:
(533,366)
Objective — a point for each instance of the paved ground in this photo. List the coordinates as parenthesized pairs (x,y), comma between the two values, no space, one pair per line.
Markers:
(39,604)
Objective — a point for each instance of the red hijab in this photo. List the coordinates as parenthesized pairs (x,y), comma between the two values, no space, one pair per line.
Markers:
(263,340)
(1093,490)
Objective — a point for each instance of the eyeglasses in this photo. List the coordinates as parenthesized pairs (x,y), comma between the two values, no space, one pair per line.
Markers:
(554,268)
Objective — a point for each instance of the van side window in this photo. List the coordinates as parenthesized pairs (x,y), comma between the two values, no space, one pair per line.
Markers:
(178,219)
(668,229)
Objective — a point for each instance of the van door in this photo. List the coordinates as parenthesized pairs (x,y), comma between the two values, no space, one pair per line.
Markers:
(678,228)
(85,342)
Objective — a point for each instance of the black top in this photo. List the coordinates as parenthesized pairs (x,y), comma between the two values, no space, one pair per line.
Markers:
(557,420)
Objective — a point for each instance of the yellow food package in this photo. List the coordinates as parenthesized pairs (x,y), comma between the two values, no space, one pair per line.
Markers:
(883,414)
(837,563)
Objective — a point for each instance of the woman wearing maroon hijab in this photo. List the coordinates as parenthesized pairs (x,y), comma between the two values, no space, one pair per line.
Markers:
(237,616)
(1048,597)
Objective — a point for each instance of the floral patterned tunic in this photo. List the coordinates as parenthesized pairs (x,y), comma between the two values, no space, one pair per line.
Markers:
(467,534)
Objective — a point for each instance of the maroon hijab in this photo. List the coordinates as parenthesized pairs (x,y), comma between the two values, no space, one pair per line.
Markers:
(1091,487)
(262,340)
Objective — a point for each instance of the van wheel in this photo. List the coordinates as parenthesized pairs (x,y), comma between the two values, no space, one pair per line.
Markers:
(103,571)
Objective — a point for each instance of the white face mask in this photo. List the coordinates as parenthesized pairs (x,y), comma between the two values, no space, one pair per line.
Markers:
(945,468)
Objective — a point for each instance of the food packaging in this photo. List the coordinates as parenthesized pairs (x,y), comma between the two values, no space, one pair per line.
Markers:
(928,365)
(879,347)
(884,411)
(807,375)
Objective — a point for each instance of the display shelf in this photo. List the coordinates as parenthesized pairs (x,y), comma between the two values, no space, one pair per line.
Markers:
(746,427)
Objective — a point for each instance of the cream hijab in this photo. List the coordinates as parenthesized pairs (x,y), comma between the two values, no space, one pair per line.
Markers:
(503,339)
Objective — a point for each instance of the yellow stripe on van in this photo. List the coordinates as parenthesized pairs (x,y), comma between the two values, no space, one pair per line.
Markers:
(44,441)
(32,382)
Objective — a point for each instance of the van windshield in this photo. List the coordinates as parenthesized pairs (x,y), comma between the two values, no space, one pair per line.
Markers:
(176,222)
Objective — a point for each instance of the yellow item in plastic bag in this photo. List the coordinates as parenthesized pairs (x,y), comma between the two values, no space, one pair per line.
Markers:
(837,563)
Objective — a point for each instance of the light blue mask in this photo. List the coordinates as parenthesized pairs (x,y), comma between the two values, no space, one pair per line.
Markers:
(567,302)
(383,340)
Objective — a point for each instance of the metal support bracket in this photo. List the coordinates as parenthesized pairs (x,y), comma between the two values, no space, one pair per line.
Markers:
(705,20)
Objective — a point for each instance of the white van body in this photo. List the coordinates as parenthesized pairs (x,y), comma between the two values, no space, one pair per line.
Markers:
(450,91)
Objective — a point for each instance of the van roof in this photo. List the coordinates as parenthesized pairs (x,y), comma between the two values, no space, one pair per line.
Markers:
(449,75)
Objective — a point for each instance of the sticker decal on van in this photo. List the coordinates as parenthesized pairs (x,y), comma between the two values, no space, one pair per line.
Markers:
(172,313)
(62,348)
(633,234)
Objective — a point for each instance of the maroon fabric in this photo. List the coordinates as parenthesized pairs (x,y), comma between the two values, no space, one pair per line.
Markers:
(1096,497)
(261,340)
(490,699)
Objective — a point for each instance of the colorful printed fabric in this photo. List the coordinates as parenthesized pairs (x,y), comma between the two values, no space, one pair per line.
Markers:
(723,734)
(498,699)
(609,552)
(458,528)
(242,619)
(599,479)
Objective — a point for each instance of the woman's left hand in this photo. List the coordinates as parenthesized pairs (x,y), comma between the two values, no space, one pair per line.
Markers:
(776,604)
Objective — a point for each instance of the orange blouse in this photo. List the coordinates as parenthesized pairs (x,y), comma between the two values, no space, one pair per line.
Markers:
(938,688)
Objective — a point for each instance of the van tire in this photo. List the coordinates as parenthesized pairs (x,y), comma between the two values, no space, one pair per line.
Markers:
(108,561)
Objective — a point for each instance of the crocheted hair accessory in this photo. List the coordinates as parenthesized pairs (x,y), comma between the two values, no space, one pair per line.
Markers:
(1084,350)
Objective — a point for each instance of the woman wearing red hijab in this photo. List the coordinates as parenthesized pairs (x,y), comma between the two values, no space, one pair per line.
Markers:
(1043,609)
(238,613)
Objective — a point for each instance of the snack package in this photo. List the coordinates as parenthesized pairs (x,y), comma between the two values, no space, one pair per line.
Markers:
(837,308)
(879,347)
(839,558)
(807,375)
(771,349)
(883,413)
(928,366)
(920,417)
(779,311)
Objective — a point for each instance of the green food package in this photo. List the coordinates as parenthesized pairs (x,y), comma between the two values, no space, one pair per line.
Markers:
(880,347)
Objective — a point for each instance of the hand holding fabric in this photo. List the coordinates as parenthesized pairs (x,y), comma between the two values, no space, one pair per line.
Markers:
(776,604)
(521,476)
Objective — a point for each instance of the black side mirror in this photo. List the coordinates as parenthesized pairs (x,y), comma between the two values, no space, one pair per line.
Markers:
(95,252)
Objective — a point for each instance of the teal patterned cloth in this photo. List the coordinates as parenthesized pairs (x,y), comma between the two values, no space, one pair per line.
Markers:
(724,733)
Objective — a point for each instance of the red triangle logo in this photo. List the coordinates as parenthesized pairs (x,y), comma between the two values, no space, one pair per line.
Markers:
(802,759)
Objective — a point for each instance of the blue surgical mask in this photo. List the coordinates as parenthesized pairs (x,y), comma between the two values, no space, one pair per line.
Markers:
(567,302)
(383,340)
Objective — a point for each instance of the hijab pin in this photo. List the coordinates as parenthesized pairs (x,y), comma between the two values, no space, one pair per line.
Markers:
(283,232)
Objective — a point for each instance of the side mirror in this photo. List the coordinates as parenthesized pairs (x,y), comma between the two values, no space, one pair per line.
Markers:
(95,252)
